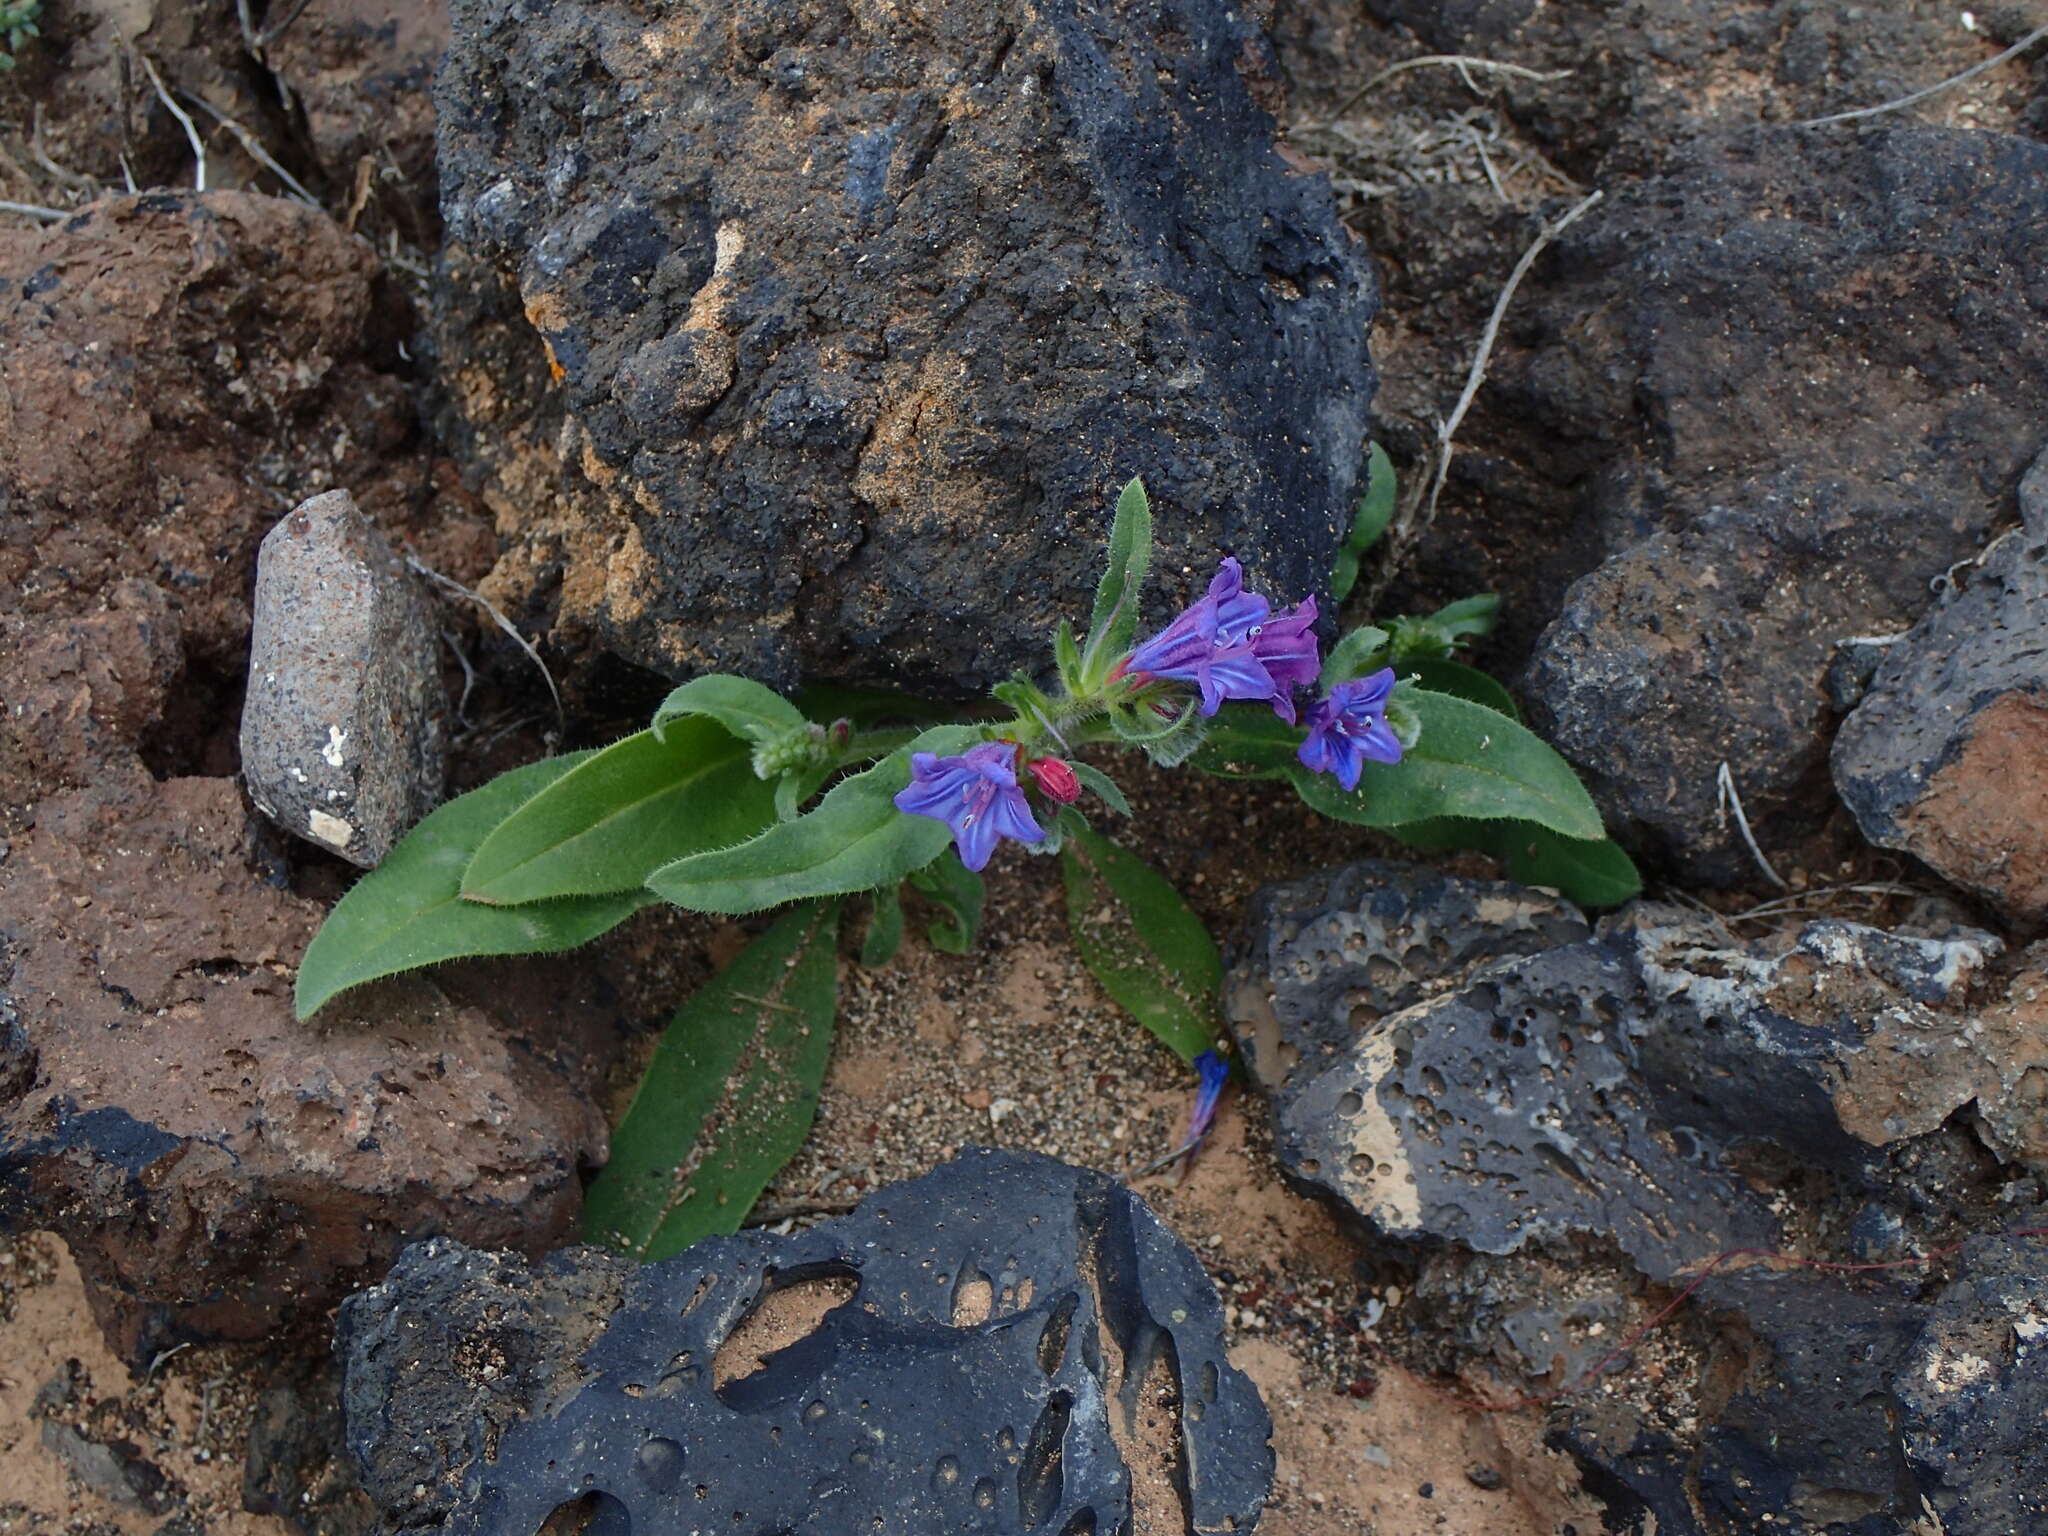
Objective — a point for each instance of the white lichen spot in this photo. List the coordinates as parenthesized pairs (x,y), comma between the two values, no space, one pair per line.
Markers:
(337,739)
(1952,1373)
(331,830)
(726,245)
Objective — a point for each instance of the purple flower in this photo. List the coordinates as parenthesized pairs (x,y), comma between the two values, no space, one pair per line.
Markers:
(1348,726)
(1229,647)
(1215,1072)
(975,794)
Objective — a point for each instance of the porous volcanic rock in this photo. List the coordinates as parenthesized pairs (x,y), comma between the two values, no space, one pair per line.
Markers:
(1946,756)
(1008,1344)
(218,1168)
(344,726)
(1634,1085)
(1846,1406)
(1798,376)
(1975,1392)
(818,337)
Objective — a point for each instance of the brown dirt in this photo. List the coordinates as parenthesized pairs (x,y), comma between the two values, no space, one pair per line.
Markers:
(189,1418)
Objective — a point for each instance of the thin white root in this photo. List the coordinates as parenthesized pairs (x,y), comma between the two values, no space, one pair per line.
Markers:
(184,118)
(449,583)
(1463,63)
(35,211)
(1729,800)
(1971,73)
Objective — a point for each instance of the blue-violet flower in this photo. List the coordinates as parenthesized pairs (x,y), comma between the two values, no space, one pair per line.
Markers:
(976,794)
(1229,647)
(1214,1073)
(1348,726)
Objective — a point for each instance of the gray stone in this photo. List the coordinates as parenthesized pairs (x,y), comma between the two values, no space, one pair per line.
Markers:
(1628,1085)
(817,338)
(989,1348)
(344,726)
(1975,1392)
(1946,756)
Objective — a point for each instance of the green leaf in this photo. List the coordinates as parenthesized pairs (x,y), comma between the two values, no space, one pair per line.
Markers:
(409,912)
(1443,631)
(1114,622)
(1100,785)
(744,707)
(852,840)
(1368,523)
(867,706)
(1361,651)
(1066,655)
(1142,942)
(885,928)
(1471,761)
(625,812)
(728,1096)
(958,891)
(1461,681)
(1593,873)
(1248,741)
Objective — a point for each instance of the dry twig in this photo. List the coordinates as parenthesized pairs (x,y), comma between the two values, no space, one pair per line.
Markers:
(1971,73)
(1463,63)
(449,583)
(34,211)
(184,117)
(256,151)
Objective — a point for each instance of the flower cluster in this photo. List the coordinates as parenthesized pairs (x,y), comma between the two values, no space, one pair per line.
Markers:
(1228,645)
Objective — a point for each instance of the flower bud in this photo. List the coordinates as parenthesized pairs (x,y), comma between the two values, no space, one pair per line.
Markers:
(1056,779)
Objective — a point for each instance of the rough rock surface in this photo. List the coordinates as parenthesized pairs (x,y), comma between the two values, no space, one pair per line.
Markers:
(344,728)
(1848,1406)
(218,1168)
(1632,1084)
(1333,954)
(1008,1344)
(1944,757)
(1780,447)
(818,337)
(1975,1392)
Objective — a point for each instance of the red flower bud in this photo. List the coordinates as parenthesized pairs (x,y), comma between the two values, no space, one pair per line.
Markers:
(1056,779)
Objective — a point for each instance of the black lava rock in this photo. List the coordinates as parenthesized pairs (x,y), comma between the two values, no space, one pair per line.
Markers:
(1624,1084)
(1798,374)
(1943,757)
(1005,1345)
(818,337)
(1975,1392)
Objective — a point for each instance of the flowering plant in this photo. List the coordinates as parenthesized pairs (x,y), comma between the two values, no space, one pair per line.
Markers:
(738,800)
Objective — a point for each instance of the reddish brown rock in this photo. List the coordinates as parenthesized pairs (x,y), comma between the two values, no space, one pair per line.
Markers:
(1946,757)
(177,370)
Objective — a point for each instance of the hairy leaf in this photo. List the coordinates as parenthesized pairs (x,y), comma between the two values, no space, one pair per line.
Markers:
(1114,623)
(1368,523)
(1142,942)
(1591,872)
(852,840)
(885,928)
(1461,681)
(958,891)
(728,1096)
(409,912)
(744,707)
(1100,785)
(623,813)
(1471,761)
